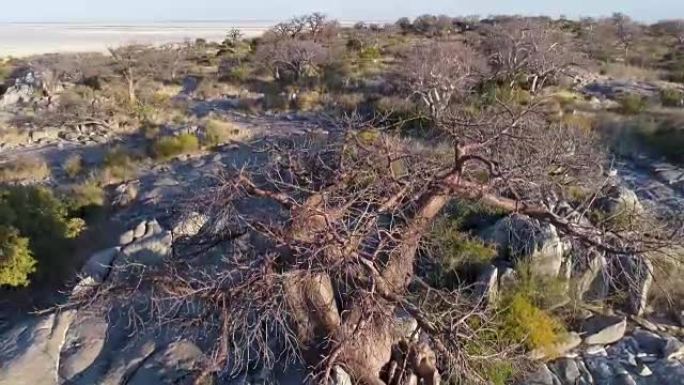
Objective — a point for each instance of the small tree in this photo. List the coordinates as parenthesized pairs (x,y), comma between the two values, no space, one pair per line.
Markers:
(293,58)
(16,261)
(133,63)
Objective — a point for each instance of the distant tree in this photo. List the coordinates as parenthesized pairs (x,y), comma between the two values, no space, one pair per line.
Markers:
(133,64)
(233,37)
(404,24)
(437,72)
(532,49)
(292,58)
(626,32)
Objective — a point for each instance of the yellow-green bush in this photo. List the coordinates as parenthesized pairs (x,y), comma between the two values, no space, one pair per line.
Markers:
(73,166)
(86,194)
(25,169)
(523,321)
(169,146)
(632,104)
(119,165)
(217,132)
(16,261)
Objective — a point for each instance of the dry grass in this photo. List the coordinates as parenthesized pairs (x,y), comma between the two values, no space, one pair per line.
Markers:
(26,169)
(625,71)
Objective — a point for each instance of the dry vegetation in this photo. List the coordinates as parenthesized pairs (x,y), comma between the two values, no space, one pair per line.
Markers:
(345,233)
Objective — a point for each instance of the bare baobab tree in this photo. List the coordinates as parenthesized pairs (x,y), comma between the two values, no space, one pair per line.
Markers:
(528,48)
(438,72)
(293,58)
(133,64)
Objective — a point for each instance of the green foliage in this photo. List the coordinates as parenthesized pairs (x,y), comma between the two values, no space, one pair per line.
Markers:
(86,195)
(217,132)
(169,146)
(119,165)
(524,322)
(672,98)
(44,220)
(632,104)
(16,261)
(457,248)
(370,53)
(73,166)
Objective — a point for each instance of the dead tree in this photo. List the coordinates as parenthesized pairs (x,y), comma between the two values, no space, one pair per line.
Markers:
(133,63)
(441,71)
(536,50)
(293,58)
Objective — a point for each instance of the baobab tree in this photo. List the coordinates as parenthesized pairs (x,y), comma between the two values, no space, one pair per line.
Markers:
(292,58)
(452,68)
(528,48)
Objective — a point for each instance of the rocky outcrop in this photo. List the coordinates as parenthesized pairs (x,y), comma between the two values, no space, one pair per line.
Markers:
(519,237)
(603,330)
(641,358)
(77,347)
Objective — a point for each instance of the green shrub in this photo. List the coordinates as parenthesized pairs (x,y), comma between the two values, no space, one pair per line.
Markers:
(457,248)
(73,166)
(37,215)
(24,169)
(370,53)
(86,195)
(526,323)
(672,98)
(632,104)
(217,132)
(16,261)
(169,146)
(119,165)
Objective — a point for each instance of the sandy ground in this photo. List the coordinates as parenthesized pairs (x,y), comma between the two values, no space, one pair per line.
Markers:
(23,39)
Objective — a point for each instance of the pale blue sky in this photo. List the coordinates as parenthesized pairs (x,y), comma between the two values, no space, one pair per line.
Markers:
(161,10)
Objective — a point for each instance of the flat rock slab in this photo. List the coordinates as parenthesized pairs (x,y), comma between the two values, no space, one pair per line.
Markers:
(603,330)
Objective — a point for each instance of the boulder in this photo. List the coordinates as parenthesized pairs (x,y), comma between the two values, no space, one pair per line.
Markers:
(486,286)
(648,342)
(83,345)
(190,225)
(169,365)
(28,351)
(542,376)
(153,228)
(523,238)
(566,370)
(150,250)
(96,269)
(639,280)
(673,349)
(125,194)
(603,330)
(619,200)
(592,285)
(140,230)
(127,237)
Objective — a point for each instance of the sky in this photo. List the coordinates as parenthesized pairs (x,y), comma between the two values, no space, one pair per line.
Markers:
(268,10)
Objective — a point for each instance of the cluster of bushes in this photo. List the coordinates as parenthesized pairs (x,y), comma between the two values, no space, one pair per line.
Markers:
(36,234)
